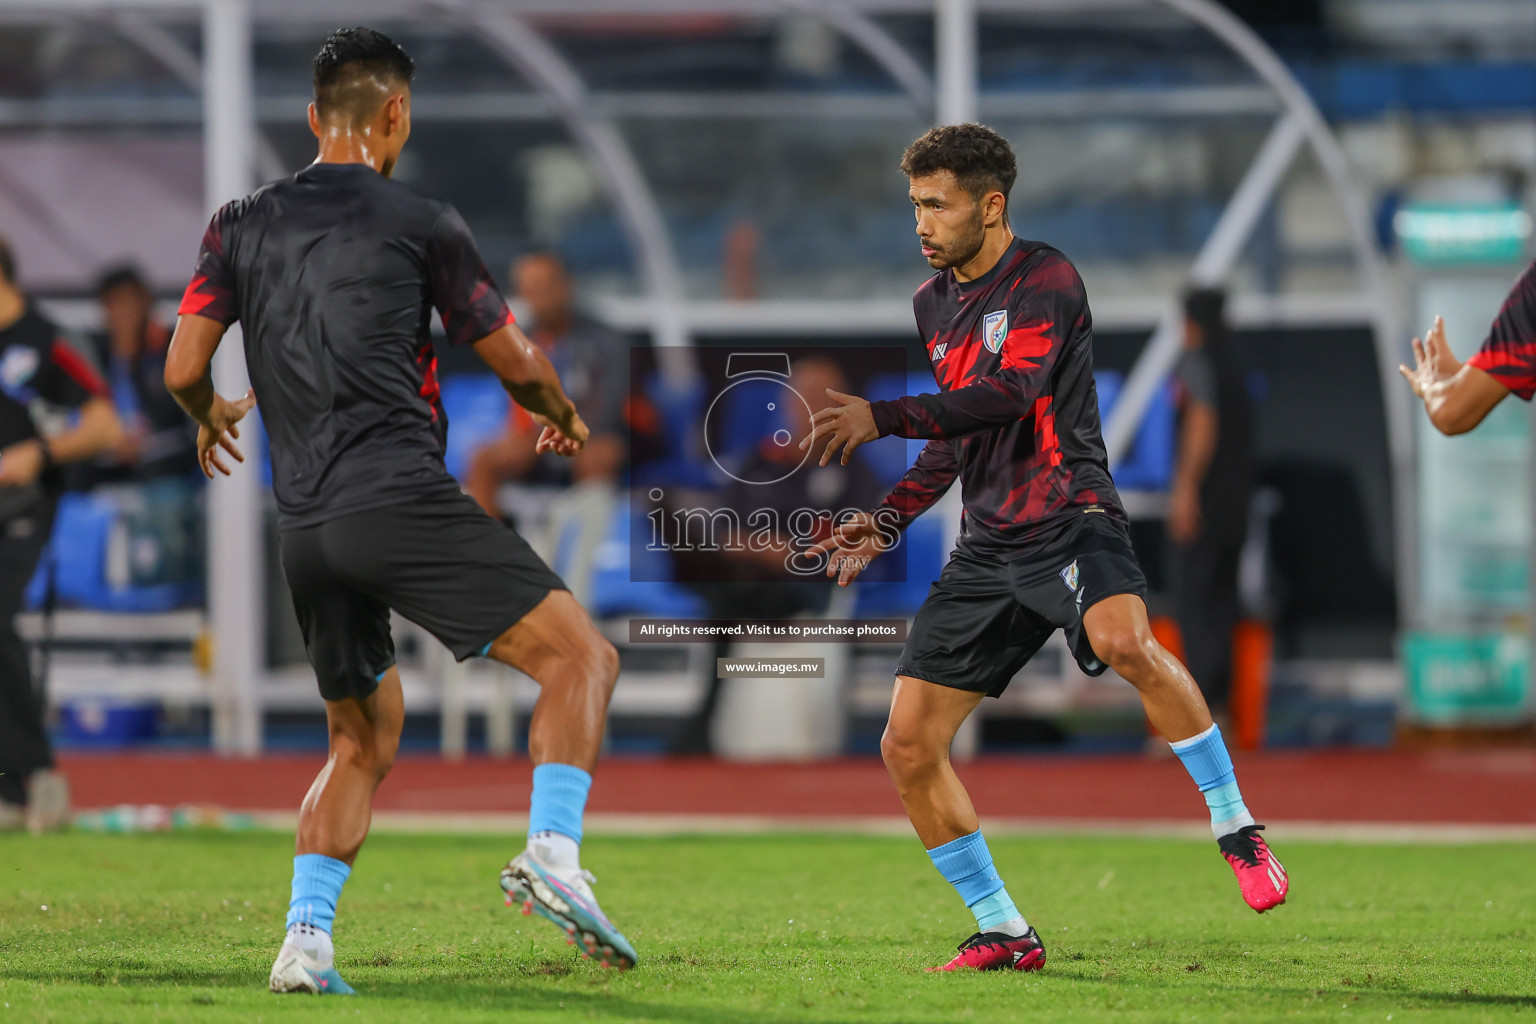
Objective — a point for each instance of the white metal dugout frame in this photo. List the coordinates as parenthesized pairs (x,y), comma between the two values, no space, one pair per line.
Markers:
(234,153)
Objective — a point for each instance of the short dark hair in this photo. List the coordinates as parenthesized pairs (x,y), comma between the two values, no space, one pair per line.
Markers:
(1206,307)
(980,159)
(123,275)
(7,262)
(349,56)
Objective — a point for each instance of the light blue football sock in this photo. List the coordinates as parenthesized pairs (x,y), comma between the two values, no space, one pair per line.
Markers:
(966,864)
(559,800)
(317,882)
(1206,759)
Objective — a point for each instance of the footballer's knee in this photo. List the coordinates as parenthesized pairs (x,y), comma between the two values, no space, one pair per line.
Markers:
(909,750)
(1130,651)
(605,665)
(365,750)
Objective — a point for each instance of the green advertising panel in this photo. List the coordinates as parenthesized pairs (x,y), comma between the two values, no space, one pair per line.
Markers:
(1442,234)
(1459,679)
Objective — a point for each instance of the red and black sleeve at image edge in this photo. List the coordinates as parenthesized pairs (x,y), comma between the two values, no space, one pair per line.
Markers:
(1508,354)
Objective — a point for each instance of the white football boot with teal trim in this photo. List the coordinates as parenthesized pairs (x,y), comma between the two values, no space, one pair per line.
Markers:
(298,971)
(565,899)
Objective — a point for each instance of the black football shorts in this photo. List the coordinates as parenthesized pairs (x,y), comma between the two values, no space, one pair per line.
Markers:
(438,560)
(983,619)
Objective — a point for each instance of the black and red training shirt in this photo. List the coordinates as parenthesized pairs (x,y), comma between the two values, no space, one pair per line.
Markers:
(333,275)
(39,369)
(1509,352)
(1017,416)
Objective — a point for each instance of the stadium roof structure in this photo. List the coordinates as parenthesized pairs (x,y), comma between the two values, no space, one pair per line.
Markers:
(943,90)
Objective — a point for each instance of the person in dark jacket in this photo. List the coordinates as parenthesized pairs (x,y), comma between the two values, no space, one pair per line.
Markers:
(39,373)
(1212,484)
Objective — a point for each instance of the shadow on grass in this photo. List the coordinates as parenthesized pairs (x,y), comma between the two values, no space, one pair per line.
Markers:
(515,993)
(1356,992)
(519,991)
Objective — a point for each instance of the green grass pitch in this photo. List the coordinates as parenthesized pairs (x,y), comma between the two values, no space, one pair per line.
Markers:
(762,929)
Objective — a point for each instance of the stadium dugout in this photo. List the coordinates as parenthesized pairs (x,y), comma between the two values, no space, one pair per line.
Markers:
(237,686)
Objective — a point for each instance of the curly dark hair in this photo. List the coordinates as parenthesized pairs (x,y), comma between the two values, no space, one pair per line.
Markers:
(980,159)
(348,58)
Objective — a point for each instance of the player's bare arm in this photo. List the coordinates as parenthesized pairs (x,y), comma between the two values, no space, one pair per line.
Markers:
(1456,395)
(1197,446)
(97,429)
(529,378)
(189,379)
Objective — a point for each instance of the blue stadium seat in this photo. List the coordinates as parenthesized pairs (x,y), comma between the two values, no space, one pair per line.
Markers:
(890,457)
(77,554)
(752,410)
(615,590)
(1148,466)
(685,463)
(476,405)
(928,544)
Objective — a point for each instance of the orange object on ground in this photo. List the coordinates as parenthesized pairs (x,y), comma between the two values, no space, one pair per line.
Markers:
(1253,645)
(1166,632)
(1253,648)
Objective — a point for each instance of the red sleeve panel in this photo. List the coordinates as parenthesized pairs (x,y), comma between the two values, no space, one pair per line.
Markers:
(212,290)
(1508,354)
(463,292)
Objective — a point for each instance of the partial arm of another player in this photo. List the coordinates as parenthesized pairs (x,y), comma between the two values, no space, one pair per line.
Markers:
(1197,445)
(189,379)
(1456,395)
(856,541)
(97,430)
(529,378)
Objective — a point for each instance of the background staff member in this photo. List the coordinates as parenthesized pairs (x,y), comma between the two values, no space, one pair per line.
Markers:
(37,370)
(1212,486)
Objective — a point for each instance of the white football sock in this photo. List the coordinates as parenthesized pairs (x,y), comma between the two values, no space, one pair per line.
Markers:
(314,943)
(556,849)
(1231,825)
(1018,926)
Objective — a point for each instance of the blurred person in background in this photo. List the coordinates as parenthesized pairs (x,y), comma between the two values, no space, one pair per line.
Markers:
(131,350)
(1212,485)
(754,583)
(593,362)
(39,373)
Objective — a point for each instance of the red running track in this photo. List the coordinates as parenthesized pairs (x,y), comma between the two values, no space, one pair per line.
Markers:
(1482,787)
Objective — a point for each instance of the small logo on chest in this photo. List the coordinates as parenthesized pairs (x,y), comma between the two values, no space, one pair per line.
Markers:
(939,350)
(994,329)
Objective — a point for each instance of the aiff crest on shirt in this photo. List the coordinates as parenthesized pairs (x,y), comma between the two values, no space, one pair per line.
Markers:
(994,329)
(18,368)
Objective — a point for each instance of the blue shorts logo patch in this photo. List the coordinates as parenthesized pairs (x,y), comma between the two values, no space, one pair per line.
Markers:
(1069,576)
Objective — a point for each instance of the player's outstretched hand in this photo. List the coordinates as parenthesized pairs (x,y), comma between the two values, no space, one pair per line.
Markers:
(853,544)
(1433,362)
(846,424)
(220,431)
(566,441)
